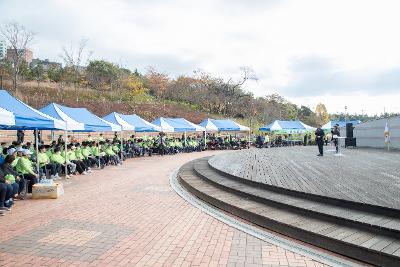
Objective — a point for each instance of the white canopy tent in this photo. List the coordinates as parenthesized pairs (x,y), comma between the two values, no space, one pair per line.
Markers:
(6,118)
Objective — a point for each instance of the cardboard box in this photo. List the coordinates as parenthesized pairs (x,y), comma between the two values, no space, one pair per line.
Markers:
(43,191)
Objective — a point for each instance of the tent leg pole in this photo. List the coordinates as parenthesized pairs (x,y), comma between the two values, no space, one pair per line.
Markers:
(98,143)
(249,139)
(205,139)
(65,148)
(122,147)
(37,152)
(185,141)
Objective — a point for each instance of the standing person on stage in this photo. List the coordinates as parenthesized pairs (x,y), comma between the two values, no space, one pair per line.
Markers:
(335,131)
(319,138)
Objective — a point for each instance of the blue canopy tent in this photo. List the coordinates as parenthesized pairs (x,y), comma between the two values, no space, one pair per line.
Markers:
(117,119)
(197,127)
(287,127)
(132,122)
(194,127)
(141,125)
(329,125)
(79,119)
(212,125)
(16,115)
(171,125)
(25,117)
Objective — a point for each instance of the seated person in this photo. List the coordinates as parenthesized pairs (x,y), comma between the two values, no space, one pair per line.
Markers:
(58,159)
(116,149)
(98,154)
(72,156)
(46,164)
(18,155)
(80,157)
(111,156)
(12,177)
(89,159)
(5,194)
(25,168)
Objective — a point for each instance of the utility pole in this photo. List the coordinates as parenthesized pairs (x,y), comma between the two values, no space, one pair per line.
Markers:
(345,113)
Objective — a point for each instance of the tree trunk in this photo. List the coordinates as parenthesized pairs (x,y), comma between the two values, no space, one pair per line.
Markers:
(15,87)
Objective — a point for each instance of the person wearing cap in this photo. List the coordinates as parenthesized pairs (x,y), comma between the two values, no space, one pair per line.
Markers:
(18,152)
(24,167)
(31,148)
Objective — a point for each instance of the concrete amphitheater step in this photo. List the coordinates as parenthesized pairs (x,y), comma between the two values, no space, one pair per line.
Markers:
(362,219)
(354,242)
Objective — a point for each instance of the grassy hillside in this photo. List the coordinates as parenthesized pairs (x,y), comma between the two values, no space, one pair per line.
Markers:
(103,103)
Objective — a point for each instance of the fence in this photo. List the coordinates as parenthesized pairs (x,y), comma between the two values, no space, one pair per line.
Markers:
(371,134)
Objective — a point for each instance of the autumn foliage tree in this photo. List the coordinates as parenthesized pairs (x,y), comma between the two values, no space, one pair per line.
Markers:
(157,82)
(321,114)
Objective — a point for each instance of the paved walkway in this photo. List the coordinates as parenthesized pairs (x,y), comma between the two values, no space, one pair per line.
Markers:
(127,216)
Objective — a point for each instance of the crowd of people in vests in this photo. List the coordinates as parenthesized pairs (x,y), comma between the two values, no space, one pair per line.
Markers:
(21,166)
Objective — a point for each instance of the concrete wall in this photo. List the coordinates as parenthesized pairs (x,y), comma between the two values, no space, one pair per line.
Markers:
(371,134)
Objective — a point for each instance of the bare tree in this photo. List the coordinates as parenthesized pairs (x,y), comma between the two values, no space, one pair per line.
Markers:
(233,89)
(18,37)
(73,59)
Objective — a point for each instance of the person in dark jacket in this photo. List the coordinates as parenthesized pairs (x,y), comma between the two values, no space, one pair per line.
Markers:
(5,194)
(9,171)
(335,132)
(20,136)
(319,138)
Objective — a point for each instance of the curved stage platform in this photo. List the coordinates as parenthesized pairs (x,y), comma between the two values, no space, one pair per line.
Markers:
(349,204)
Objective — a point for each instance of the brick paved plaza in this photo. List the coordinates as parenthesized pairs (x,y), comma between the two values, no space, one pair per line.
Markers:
(127,216)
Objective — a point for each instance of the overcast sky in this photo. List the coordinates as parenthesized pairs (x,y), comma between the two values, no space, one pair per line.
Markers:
(336,52)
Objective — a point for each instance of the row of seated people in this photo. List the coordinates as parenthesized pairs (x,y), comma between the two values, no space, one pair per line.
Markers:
(18,172)
(148,145)
(277,141)
(227,142)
